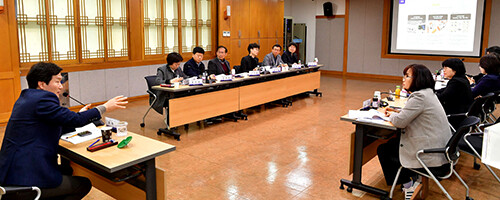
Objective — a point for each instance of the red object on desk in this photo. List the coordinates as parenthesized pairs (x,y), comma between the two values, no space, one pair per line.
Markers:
(101,146)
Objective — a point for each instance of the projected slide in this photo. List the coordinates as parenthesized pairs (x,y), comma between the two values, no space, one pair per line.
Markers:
(437,27)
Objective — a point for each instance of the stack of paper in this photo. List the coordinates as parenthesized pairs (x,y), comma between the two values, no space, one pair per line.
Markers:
(491,139)
(370,115)
(95,133)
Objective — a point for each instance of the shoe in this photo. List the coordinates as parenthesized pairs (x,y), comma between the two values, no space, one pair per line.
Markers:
(409,190)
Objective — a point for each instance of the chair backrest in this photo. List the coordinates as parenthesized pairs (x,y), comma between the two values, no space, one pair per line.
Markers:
(237,68)
(489,104)
(151,81)
(476,109)
(465,127)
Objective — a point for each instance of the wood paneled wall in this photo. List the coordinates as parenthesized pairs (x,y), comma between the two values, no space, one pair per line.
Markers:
(251,21)
(10,86)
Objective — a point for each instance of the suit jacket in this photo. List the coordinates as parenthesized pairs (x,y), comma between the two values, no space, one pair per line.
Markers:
(290,58)
(192,69)
(489,83)
(28,156)
(248,63)
(164,75)
(425,126)
(269,60)
(215,67)
(456,97)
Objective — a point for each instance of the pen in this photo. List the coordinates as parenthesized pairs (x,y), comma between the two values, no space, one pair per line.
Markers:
(94,142)
(71,136)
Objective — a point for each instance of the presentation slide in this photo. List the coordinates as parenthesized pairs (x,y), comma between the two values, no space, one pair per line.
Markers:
(437,27)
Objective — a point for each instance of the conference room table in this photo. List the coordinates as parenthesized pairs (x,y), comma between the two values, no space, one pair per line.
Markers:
(369,134)
(187,104)
(126,173)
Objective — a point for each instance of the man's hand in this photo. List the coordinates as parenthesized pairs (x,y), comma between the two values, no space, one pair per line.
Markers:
(116,103)
(175,80)
(85,108)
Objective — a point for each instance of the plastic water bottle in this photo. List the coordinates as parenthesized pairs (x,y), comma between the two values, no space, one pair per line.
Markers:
(398,91)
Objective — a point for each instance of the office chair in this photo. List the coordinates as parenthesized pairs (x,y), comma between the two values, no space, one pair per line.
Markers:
(13,190)
(151,81)
(490,107)
(477,108)
(472,143)
(237,69)
(450,151)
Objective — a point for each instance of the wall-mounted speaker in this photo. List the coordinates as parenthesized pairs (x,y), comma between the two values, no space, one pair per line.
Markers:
(328,9)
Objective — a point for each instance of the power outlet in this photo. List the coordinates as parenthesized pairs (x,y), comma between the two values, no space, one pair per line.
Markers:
(226,33)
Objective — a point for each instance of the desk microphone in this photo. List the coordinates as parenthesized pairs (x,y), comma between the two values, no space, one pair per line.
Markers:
(65,94)
(96,122)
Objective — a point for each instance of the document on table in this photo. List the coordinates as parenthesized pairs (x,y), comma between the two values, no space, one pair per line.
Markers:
(371,115)
(491,139)
(95,133)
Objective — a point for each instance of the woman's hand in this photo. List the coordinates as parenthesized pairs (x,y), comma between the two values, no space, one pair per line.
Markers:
(471,80)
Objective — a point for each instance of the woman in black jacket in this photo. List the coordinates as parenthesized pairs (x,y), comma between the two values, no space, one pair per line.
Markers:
(290,56)
(456,97)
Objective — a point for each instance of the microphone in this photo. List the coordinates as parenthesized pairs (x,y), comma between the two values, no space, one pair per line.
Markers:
(66,94)
(96,122)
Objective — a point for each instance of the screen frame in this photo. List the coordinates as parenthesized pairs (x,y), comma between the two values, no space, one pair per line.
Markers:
(386,40)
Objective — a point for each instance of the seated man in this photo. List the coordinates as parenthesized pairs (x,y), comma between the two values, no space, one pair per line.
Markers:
(273,59)
(28,156)
(171,73)
(194,66)
(250,62)
(219,65)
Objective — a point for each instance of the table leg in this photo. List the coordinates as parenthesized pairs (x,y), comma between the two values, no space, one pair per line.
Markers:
(150,179)
(358,165)
(168,130)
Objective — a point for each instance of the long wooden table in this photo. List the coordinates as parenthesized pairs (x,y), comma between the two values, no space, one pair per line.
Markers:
(188,104)
(106,166)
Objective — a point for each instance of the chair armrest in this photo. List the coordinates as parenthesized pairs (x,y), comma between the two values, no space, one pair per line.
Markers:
(150,92)
(482,126)
(435,150)
(476,134)
(13,189)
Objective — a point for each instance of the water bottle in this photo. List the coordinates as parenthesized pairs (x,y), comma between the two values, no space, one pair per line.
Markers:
(398,91)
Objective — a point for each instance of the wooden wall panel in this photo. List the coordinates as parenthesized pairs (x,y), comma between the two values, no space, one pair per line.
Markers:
(10,85)
(238,50)
(240,18)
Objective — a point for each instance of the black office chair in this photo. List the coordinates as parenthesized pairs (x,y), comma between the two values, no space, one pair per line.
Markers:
(476,109)
(490,107)
(14,191)
(450,151)
(472,143)
(237,69)
(151,81)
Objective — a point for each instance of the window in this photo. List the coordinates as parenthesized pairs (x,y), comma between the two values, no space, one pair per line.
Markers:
(165,33)
(51,31)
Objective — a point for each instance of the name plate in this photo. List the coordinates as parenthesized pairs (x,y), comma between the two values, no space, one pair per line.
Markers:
(275,70)
(223,77)
(254,73)
(312,64)
(296,66)
(195,82)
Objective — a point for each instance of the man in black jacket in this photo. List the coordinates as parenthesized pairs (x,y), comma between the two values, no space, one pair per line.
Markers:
(194,66)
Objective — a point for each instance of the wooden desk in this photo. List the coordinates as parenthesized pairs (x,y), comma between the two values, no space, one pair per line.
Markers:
(102,165)
(188,104)
(364,143)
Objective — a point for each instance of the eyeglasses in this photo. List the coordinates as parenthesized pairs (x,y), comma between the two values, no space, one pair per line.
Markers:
(406,77)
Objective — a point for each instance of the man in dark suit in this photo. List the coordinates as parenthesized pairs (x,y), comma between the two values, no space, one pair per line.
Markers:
(219,65)
(28,156)
(194,66)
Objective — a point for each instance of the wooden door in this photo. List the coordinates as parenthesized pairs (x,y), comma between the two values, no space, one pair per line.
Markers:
(240,18)
(258,18)
(238,50)
(10,85)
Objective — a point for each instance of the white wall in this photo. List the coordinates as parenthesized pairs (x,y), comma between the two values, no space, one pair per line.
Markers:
(305,11)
